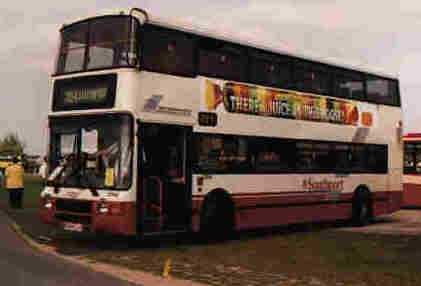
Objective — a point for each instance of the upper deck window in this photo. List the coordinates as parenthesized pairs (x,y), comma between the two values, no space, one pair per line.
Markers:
(311,77)
(98,43)
(270,70)
(222,60)
(168,51)
(382,90)
(348,84)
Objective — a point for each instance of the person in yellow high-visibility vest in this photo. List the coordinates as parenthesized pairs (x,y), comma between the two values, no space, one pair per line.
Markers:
(14,183)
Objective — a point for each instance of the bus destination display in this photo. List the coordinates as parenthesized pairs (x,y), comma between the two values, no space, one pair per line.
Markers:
(85,93)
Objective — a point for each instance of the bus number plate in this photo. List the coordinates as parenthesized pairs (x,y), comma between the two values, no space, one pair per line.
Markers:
(76,227)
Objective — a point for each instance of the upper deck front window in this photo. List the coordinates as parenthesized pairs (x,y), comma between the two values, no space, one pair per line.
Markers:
(98,43)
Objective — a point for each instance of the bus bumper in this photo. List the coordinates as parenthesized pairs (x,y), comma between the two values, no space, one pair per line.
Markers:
(119,219)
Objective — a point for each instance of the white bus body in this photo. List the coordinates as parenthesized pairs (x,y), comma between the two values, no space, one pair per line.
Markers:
(257,198)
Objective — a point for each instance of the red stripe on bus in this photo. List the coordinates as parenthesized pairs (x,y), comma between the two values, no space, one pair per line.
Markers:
(411,195)
(264,212)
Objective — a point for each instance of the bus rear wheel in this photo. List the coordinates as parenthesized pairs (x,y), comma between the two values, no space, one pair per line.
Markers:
(217,217)
(361,207)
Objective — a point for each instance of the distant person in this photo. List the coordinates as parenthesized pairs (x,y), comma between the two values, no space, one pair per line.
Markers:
(14,183)
(42,172)
(1,179)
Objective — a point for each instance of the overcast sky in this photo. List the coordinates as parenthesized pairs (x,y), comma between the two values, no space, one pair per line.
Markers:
(384,35)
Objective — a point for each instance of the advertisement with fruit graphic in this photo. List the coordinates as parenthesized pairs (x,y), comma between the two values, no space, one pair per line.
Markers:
(249,99)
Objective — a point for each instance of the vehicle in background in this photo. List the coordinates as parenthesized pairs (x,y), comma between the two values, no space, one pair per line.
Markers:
(158,128)
(412,170)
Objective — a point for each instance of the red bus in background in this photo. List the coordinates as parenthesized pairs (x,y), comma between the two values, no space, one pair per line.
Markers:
(412,170)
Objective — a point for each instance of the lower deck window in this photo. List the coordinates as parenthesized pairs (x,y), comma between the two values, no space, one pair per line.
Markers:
(216,153)
(222,153)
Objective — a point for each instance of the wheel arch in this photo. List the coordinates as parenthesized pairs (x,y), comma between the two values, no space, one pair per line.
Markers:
(362,189)
(221,196)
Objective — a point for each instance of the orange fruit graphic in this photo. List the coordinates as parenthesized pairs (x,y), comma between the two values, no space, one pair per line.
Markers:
(213,95)
(352,115)
(367,118)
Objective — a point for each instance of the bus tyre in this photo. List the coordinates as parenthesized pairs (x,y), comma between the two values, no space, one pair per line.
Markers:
(361,208)
(217,217)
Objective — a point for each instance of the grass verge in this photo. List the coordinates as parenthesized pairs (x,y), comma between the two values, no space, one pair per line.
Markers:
(327,257)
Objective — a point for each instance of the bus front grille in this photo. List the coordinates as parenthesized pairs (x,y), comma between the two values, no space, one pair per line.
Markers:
(63,217)
(74,206)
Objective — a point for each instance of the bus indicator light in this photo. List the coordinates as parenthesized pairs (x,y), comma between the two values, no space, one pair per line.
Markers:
(208,119)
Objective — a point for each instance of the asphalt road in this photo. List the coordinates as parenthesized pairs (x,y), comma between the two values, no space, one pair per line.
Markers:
(22,265)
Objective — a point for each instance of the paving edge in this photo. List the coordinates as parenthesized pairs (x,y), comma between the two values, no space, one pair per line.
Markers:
(133,276)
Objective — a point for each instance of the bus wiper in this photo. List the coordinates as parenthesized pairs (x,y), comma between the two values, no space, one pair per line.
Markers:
(93,191)
(56,174)
(53,178)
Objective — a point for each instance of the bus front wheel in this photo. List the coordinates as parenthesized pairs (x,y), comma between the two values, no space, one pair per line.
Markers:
(361,207)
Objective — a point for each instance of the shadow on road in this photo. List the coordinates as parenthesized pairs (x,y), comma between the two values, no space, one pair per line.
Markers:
(81,244)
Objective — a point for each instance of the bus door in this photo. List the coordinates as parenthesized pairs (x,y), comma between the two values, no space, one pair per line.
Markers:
(165,178)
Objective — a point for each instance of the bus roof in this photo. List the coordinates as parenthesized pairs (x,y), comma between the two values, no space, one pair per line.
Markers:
(178,24)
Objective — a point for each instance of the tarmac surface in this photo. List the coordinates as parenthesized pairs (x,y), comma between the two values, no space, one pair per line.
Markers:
(404,222)
(22,265)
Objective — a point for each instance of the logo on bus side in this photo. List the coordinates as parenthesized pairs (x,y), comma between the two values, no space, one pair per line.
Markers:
(250,99)
(324,185)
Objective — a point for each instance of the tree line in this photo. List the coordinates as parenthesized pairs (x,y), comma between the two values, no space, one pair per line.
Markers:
(12,145)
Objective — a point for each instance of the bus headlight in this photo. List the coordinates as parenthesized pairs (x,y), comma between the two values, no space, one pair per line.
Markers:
(48,202)
(110,208)
(102,207)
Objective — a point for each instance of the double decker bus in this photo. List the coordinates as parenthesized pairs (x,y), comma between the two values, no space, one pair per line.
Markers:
(412,170)
(157,127)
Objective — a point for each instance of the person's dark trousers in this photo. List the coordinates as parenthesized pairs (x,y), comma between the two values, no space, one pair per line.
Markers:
(15,198)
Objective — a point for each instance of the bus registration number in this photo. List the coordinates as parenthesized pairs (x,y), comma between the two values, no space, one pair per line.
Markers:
(69,226)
